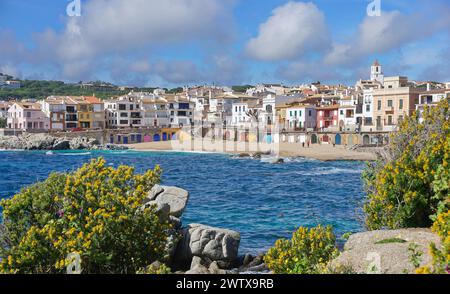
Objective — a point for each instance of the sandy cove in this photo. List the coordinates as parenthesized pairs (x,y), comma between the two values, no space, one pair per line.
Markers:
(319,152)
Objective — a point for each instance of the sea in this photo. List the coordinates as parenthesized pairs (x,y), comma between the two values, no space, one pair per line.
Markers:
(261,200)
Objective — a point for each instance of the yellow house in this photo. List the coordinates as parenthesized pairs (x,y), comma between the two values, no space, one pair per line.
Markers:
(90,111)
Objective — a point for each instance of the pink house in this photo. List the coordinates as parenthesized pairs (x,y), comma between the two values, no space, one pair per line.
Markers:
(327,117)
(27,116)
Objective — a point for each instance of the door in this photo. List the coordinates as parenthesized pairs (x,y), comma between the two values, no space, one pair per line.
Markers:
(125,140)
(139,138)
(314,139)
(156,138)
(350,140)
(366,140)
(338,139)
(164,136)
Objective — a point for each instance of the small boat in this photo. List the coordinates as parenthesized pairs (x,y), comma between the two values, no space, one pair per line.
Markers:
(49,153)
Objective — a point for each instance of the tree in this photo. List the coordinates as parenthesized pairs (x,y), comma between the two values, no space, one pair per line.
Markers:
(95,212)
(401,188)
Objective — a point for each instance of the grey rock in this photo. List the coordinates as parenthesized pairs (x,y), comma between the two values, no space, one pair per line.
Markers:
(278,161)
(215,269)
(162,210)
(208,243)
(176,198)
(363,251)
(176,222)
(61,144)
(154,192)
(247,259)
(198,270)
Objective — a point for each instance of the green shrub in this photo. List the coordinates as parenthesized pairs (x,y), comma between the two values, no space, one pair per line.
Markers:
(441,254)
(307,252)
(93,212)
(402,188)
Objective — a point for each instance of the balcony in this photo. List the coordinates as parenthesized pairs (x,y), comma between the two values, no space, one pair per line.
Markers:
(136,115)
(71,118)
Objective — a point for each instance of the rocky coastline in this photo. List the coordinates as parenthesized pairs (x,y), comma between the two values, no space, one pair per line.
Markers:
(202,249)
(49,142)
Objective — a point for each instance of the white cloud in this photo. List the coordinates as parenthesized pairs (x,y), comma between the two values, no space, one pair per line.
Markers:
(294,29)
(108,27)
(117,25)
(378,35)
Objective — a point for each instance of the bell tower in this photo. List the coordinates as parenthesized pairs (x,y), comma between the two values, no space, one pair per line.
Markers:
(376,73)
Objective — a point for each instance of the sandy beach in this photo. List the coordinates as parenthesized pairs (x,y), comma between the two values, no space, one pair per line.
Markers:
(320,152)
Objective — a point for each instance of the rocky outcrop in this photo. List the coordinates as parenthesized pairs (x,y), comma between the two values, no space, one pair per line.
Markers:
(81,143)
(209,244)
(198,248)
(174,197)
(49,142)
(386,251)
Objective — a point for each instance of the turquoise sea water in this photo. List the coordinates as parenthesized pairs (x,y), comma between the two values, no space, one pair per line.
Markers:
(262,201)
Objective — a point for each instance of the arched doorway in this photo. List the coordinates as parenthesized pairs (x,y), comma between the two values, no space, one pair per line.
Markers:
(325,139)
(174,136)
(366,140)
(338,139)
(164,136)
(156,138)
(314,139)
(350,140)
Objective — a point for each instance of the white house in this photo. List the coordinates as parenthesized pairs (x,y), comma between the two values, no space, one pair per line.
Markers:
(430,98)
(181,110)
(155,112)
(301,117)
(124,112)
(28,117)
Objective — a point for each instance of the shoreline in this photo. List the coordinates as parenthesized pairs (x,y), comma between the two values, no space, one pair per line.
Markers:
(289,150)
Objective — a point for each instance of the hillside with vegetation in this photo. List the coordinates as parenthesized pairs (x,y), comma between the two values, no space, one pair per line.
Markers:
(35,89)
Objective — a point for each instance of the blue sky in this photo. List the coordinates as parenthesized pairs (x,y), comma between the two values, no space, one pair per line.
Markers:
(181,42)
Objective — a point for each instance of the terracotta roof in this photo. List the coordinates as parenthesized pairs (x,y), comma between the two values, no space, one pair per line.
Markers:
(376,63)
(93,100)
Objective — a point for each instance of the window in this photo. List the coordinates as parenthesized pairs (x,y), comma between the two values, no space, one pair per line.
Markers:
(290,113)
(342,112)
(122,107)
(295,113)
(379,104)
(368,107)
(389,103)
(400,105)
(400,117)
(28,114)
(131,107)
(389,120)
(310,113)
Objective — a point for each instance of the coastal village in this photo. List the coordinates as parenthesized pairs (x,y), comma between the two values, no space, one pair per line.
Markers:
(363,114)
